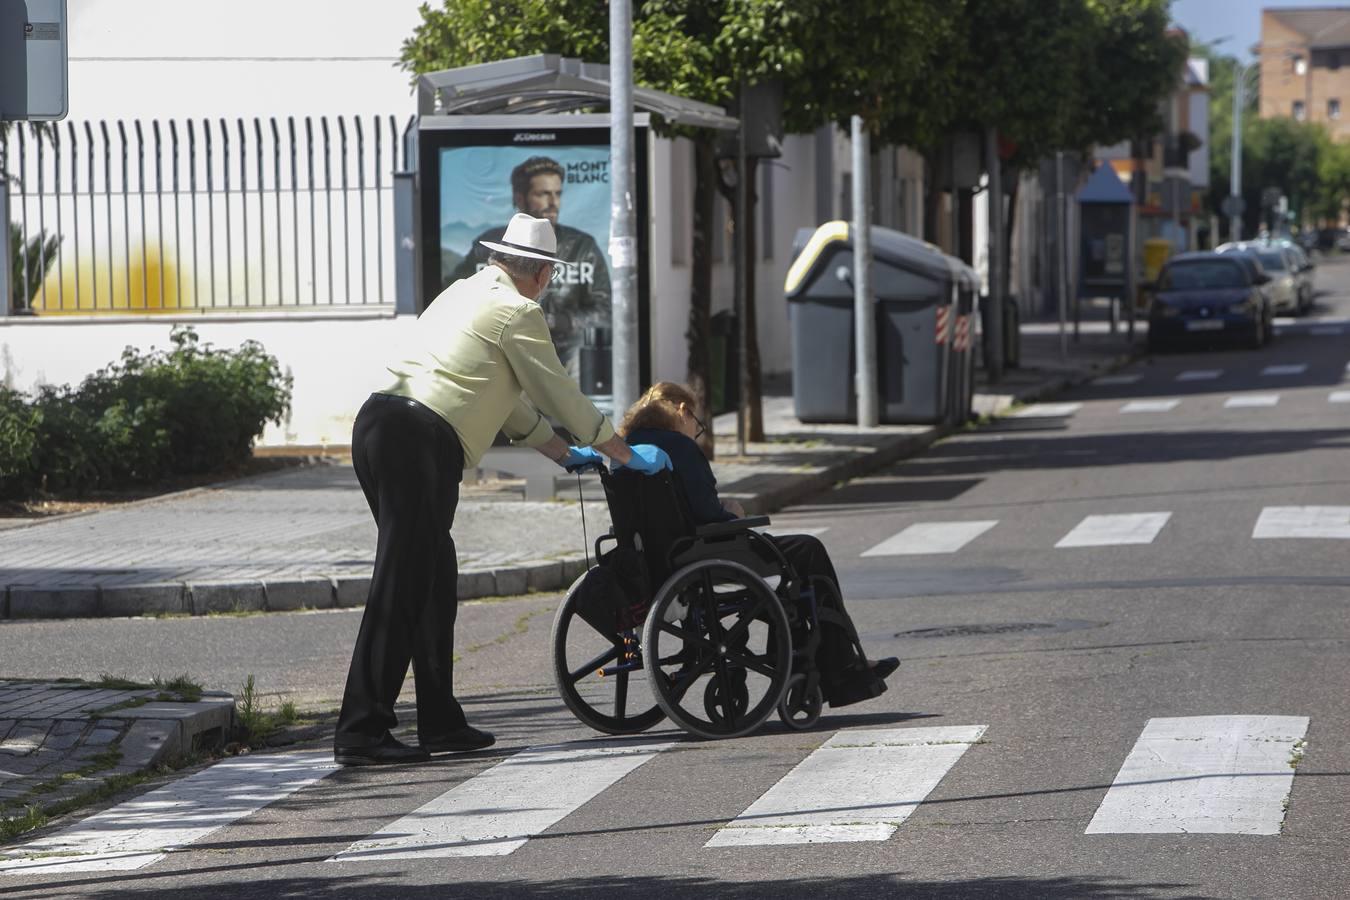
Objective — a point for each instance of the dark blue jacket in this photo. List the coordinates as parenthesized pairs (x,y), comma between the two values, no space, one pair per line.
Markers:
(691,469)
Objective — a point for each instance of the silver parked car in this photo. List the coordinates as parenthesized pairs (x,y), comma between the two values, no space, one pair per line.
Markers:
(1290,288)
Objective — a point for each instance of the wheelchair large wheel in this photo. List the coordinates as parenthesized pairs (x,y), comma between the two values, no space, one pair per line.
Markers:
(598,674)
(717,649)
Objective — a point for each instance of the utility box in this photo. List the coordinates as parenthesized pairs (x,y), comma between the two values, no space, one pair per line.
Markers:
(921,296)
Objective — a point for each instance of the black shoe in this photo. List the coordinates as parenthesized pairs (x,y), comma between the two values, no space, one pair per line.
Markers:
(882,668)
(389,751)
(460,740)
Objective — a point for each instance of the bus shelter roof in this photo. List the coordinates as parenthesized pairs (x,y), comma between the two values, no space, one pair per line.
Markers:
(549,83)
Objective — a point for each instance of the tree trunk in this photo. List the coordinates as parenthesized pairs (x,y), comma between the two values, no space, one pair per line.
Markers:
(932,197)
(754,403)
(699,377)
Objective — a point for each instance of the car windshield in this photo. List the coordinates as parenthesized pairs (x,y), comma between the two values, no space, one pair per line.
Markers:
(1273,260)
(1209,273)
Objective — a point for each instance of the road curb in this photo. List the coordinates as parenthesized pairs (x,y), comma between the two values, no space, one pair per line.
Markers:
(318,591)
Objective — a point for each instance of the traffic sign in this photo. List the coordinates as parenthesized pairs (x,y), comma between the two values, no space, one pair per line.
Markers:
(1233,205)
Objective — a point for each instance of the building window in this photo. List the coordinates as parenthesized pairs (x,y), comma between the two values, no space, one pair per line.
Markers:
(1300,65)
(1300,111)
(1333,109)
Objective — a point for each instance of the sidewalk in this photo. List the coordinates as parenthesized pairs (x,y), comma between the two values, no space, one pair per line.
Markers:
(62,741)
(303,538)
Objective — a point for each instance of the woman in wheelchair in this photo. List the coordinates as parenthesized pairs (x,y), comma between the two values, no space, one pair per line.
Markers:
(664,416)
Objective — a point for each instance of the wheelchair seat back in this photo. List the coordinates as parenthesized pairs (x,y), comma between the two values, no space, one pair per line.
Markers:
(650,514)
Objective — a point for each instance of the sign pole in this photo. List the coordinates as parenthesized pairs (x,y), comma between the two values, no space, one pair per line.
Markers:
(622,217)
(864,311)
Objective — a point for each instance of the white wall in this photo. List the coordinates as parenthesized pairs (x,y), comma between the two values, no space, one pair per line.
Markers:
(168,58)
(335,362)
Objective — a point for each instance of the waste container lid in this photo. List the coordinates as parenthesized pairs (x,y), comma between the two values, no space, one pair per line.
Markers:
(888,246)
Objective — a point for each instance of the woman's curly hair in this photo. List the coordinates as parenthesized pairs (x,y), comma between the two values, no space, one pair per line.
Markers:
(659,407)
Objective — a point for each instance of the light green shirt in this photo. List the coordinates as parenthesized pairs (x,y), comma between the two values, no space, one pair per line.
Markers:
(477,352)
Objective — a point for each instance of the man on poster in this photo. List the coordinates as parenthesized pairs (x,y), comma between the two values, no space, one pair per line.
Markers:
(578,298)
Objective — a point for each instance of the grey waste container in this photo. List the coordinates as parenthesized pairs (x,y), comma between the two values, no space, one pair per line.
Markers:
(913,284)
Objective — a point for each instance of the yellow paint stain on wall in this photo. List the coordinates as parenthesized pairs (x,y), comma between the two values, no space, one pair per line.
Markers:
(151,287)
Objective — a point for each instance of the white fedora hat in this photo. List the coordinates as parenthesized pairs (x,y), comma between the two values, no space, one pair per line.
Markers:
(527,236)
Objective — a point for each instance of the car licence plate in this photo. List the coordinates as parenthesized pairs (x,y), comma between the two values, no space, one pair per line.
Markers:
(1205,325)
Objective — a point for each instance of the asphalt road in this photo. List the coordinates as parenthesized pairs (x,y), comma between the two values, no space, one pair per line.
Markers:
(1124,563)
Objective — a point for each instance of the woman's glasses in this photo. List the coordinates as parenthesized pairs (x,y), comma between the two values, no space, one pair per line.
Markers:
(701,427)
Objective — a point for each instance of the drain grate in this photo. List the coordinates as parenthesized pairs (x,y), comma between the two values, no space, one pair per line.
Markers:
(996,628)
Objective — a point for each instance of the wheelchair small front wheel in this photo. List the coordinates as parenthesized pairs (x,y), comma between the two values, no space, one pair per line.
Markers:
(717,649)
(800,707)
(594,672)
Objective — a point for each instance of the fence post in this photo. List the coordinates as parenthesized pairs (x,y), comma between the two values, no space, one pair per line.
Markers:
(6,263)
(405,244)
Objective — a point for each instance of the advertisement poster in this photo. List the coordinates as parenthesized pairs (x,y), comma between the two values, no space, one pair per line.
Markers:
(481,187)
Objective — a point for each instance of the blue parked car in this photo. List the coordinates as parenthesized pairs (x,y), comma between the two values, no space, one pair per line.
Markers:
(1210,298)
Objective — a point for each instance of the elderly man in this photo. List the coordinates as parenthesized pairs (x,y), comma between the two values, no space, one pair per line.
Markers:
(478,351)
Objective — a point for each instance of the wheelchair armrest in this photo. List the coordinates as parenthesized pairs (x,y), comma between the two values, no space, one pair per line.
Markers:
(735,526)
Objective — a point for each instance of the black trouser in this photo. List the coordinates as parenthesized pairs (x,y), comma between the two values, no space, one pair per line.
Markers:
(837,656)
(409,462)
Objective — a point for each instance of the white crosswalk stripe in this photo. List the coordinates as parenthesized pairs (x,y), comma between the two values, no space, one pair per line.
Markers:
(857,786)
(1047,411)
(1303,522)
(1326,330)
(141,831)
(1146,406)
(931,537)
(496,812)
(1339,397)
(1111,380)
(1204,775)
(1200,375)
(1291,369)
(1112,530)
(1246,401)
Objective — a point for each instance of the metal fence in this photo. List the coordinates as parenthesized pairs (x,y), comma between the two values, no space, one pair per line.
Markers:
(203,215)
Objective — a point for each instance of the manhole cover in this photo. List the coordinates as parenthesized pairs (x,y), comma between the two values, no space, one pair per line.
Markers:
(996,628)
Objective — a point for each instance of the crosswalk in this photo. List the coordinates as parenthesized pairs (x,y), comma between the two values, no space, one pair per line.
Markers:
(1166,404)
(1210,774)
(1112,530)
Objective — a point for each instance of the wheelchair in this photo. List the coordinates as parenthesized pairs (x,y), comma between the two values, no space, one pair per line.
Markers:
(714,616)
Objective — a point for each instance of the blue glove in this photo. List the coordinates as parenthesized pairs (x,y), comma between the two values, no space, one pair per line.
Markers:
(579,459)
(648,459)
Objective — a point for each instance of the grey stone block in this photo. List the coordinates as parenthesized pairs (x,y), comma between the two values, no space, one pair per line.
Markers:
(303,593)
(143,599)
(25,738)
(6,725)
(227,596)
(352,592)
(546,576)
(55,602)
(573,569)
(510,581)
(149,741)
(473,584)
(101,737)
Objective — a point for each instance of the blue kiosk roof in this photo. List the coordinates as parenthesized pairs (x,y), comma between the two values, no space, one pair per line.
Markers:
(1105,186)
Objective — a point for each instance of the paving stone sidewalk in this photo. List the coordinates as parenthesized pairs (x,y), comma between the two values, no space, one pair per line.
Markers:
(303,538)
(60,740)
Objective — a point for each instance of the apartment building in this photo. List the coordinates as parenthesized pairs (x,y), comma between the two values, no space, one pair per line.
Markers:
(1305,66)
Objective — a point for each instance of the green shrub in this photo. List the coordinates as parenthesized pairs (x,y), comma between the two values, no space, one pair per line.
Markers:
(189,410)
